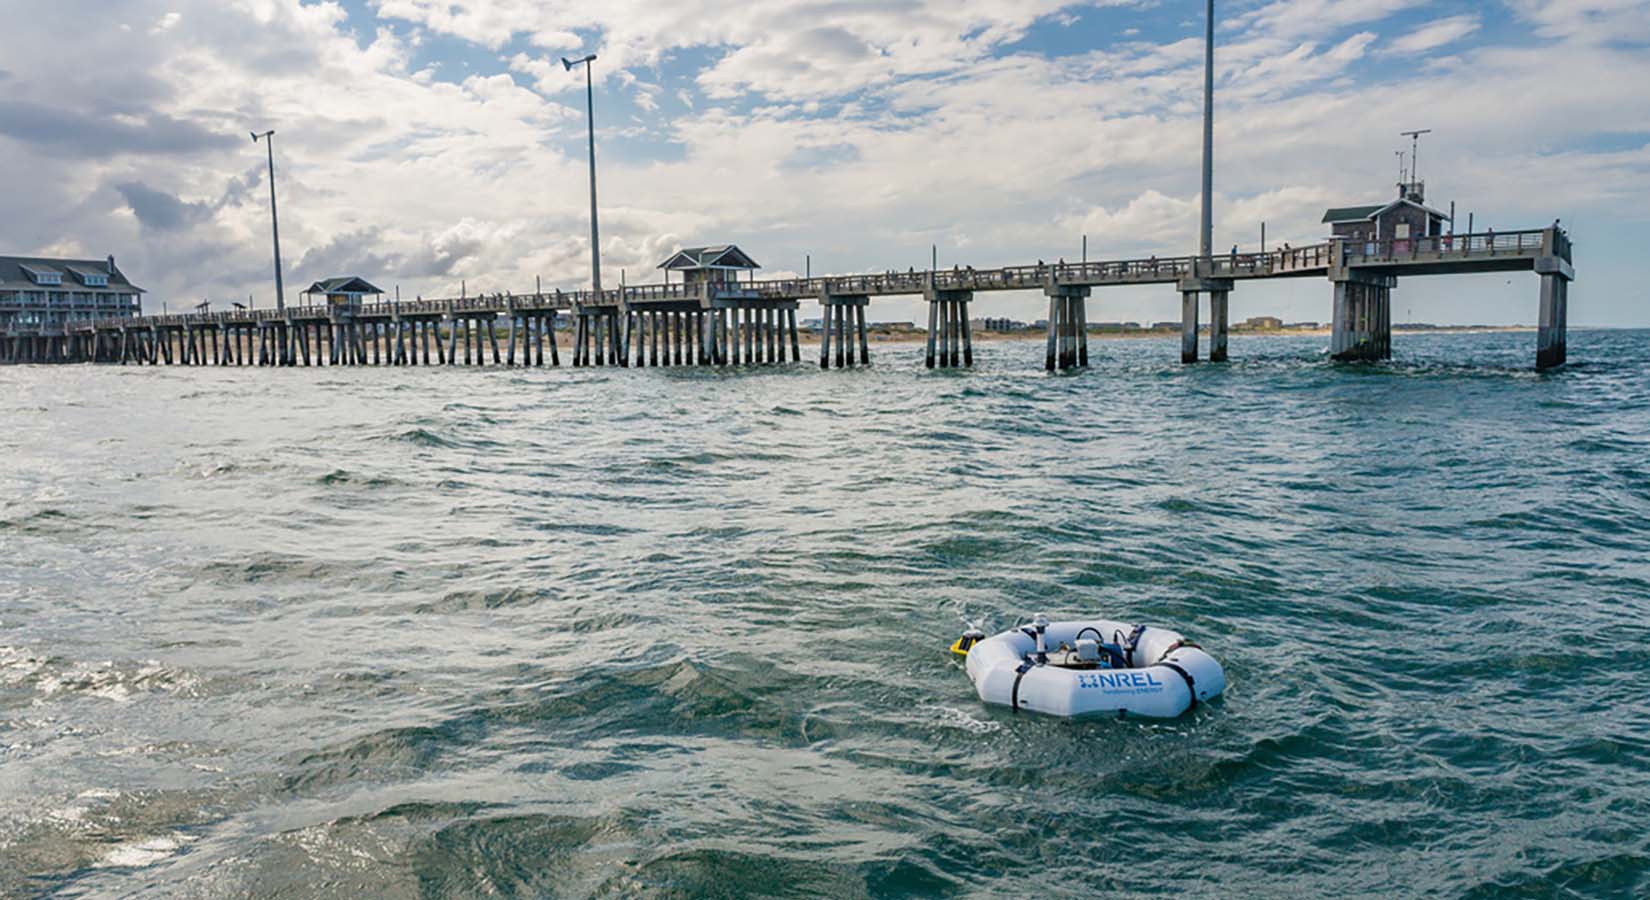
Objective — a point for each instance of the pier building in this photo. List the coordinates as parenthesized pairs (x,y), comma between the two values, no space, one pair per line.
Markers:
(1402,219)
(709,265)
(349,291)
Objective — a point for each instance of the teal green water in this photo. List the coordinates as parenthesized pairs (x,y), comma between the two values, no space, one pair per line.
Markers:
(682,632)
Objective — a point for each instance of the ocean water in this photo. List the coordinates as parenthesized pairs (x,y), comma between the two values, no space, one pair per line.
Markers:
(682,632)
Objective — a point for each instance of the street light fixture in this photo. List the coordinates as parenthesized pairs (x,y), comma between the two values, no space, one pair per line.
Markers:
(590,113)
(268,138)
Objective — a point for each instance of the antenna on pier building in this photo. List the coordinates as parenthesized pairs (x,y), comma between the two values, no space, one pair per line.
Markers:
(1410,185)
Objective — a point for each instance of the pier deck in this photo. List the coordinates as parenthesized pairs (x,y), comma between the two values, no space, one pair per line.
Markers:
(755,321)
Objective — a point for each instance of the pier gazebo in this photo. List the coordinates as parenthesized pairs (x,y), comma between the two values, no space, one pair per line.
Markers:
(349,290)
(715,265)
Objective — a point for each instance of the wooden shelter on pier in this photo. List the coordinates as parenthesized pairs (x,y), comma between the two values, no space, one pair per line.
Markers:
(1404,219)
(349,290)
(714,265)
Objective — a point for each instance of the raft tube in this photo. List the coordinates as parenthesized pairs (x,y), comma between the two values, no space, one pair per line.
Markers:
(1090,668)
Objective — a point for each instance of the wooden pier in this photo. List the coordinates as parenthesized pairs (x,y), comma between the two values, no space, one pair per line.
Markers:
(754,322)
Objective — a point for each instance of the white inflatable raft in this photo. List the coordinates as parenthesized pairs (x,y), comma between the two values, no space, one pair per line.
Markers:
(1091,668)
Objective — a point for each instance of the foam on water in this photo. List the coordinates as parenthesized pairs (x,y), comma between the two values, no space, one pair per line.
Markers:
(684,632)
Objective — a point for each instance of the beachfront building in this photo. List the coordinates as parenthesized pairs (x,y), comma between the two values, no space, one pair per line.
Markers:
(716,265)
(41,296)
(997,324)
(348,290)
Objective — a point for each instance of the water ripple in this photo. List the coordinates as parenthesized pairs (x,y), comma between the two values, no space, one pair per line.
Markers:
(681,632)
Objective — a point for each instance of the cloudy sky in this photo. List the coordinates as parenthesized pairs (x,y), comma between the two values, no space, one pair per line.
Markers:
(425,143)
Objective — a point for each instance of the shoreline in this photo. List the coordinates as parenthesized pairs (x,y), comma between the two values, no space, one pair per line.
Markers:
(564,339)
(907,337)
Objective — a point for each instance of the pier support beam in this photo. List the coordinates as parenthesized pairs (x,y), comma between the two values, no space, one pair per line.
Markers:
(1219,291)
(948,331)
(1218,325)
(843,329)
(1553,324)
(1362,318)
(1068,339)
(598,339)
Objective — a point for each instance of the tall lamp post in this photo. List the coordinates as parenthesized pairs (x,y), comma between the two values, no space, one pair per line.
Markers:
(268,138)
(1206,236)
(590,113)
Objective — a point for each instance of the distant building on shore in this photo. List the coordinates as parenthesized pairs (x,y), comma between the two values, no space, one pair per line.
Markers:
(1260,323)
(997,325)
(43,295)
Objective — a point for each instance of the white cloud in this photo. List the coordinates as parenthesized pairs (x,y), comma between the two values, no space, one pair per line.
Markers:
(906,126)
(1303,18)
(166,23)
(785,48)
(1617,21)
(1436,34)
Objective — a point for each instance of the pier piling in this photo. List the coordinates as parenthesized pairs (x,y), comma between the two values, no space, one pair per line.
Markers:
(1219,291)
(1551,337)
(1553,320)
(1217,325)
(843,326)
(1362,319)
(1067,341)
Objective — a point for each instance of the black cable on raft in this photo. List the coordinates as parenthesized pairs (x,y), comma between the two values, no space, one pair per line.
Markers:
(1177,645)
(1014,695)
(1191,684)
(1134,642)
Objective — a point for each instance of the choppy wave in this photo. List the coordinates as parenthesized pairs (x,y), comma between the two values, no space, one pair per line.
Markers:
(682,633)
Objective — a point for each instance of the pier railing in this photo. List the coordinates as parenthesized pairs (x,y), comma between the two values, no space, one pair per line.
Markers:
(1150,270)
(1488,250)
(1531,242)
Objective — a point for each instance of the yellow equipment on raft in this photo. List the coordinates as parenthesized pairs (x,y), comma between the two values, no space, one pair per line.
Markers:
(970,637)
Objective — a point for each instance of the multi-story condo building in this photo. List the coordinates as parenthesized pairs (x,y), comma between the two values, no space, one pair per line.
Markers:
(40,296)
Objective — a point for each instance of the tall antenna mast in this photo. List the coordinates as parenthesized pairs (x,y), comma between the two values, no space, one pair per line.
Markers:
(1403,176)
(1415,150)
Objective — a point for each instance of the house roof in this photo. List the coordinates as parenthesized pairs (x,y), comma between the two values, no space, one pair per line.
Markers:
(1421,206)
(16,274)
(725,256)
(347,284)
(1343,214)
(1351,214)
